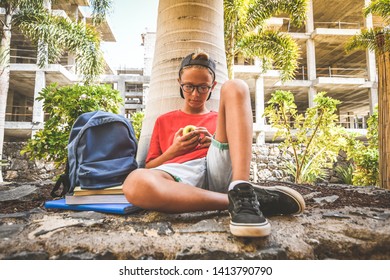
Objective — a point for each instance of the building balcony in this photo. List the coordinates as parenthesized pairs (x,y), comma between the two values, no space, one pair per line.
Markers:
(136,106)
(134,94)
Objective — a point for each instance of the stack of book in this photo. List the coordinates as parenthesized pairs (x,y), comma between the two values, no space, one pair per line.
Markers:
(88,196)
(108,200)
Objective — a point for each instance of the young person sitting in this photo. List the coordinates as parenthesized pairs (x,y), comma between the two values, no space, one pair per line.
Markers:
(208,168)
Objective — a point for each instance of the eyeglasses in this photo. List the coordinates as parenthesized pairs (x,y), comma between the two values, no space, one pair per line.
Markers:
(190,88)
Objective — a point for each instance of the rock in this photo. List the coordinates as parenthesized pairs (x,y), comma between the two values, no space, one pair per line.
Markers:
(334,179)
(18,164)
(274,151)
(277,174)
(29,256)
(205,226)
(311,195)
(327,199)
(52,224)
(273,165)
(335,215)
(17,193)
(8,231)
(264,174)
(11,175)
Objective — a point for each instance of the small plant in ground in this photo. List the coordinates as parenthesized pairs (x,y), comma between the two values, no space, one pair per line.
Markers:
(63,105)
(4,162)
(315,138)
(365,155)
(136,121)
(345,173)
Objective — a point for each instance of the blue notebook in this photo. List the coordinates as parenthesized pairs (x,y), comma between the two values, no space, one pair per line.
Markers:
(113,208)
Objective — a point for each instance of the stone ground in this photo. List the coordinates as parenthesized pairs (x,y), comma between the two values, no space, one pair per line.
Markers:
(340,222)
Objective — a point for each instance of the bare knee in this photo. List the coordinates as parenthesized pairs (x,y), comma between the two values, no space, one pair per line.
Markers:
(235,89)
(137,186)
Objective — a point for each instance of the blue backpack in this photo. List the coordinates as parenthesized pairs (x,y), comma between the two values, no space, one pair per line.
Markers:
(101,152)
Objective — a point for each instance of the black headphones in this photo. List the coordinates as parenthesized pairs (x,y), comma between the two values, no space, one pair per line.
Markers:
(188,61)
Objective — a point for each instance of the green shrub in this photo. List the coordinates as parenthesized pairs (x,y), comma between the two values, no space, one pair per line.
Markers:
(365,155)
(63,105)
(136,120)
(315,138)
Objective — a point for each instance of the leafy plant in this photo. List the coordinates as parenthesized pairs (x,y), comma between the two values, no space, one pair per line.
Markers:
(345,173)
(136,120)
(365,155)
(63,105)
(309,173)
(314,138)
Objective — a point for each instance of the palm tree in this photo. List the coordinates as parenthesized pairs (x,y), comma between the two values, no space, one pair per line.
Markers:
(53,35)
(247,33)
(378,40)
(182,27)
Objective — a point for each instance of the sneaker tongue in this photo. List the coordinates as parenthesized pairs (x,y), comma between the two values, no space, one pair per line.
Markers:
(247,208)
(246,198)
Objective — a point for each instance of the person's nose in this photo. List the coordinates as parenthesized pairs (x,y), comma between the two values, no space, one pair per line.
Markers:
(196,91)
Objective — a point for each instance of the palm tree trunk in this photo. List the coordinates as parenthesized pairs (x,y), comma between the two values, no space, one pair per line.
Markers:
(4,79)
(230,55)
(384,119)
(230,64)
(182,27)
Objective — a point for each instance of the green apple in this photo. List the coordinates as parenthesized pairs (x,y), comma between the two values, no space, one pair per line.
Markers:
(188,129)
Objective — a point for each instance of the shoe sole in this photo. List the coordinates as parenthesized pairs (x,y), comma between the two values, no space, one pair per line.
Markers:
(250,230)
(296,196)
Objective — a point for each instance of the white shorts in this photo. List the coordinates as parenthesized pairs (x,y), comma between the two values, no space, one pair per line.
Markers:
(213,172)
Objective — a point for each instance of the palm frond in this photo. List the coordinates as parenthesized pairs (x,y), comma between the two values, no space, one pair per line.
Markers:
(276,48)
(379,7)
(54,35)
(100,9)
(368,39)
(29,4)
(260,10)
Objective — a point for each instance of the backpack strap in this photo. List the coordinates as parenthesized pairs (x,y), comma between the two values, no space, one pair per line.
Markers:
(62,180)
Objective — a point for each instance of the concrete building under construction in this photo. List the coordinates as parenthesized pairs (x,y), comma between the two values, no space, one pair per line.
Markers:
(323,66)
(24,114)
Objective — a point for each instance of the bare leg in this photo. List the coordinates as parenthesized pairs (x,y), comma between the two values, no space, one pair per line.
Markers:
(156,190)
(235,126)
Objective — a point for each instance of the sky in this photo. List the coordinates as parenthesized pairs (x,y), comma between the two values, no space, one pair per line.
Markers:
(128,20)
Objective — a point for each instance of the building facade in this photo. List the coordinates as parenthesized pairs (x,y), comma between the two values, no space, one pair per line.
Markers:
(24,113)
(324,65)
(133,83)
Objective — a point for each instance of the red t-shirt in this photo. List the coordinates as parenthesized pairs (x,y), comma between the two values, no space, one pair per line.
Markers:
(168,124)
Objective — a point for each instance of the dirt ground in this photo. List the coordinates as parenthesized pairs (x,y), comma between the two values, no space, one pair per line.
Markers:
(347,196)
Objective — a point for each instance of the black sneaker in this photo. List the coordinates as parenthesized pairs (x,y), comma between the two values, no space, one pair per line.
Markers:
(279,200)
(245,214)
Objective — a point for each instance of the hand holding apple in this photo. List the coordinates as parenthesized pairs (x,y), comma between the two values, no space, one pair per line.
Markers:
(188,129)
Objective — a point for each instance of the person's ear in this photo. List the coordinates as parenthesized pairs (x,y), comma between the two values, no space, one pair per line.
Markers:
(181,91)
(213,86)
